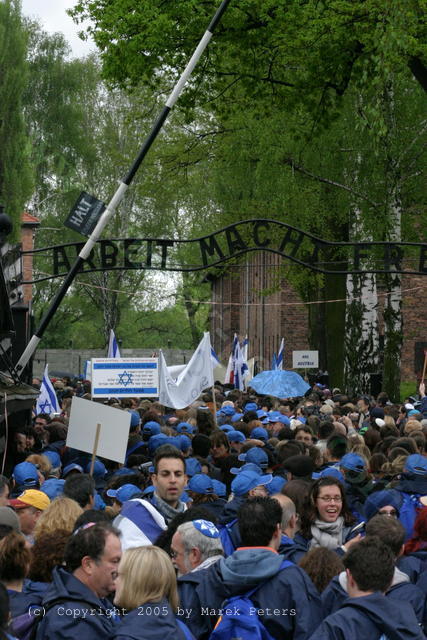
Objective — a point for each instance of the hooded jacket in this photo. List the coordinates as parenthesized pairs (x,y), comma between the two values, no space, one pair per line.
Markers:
(335,594)
(81,615)
(150,621)
(287,601)
(370,617)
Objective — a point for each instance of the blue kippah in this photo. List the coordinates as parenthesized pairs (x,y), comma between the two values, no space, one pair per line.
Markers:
(207,528)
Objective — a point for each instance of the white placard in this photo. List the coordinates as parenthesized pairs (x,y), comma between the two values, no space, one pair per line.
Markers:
(305,359)
(125,377)
(113,437)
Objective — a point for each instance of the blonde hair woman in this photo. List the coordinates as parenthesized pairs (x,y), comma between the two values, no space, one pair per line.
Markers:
(146,587)
(60,514)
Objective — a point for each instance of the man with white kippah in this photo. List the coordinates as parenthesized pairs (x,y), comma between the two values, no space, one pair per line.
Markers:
(195,545)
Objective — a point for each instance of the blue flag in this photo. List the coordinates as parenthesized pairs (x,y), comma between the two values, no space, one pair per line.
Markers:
(47,402)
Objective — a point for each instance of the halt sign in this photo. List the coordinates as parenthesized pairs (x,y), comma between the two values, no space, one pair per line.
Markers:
(125,377)
(305,359)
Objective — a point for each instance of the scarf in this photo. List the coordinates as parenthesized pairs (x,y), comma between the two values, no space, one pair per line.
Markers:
(327,534)
(165,509)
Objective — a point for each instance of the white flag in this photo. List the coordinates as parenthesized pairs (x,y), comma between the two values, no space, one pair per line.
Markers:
(113,347)
(47,402)
(196,377)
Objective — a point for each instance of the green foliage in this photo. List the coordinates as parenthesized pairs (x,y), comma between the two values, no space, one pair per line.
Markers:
(15,169)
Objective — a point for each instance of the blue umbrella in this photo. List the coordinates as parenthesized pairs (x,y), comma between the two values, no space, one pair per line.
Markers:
(281,384)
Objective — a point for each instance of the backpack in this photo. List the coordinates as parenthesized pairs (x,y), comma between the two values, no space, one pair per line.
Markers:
(239,618)
(408,512)
(25,626)
(229,536)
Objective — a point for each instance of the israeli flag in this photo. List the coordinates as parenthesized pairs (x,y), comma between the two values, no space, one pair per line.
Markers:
(47,402)
(113,347)
(280,355)
(274,362)
(214,359)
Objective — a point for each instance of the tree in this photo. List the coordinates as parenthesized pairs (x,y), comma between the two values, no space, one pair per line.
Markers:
(15,168)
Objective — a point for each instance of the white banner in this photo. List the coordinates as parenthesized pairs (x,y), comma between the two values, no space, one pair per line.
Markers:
(305,359)
(125,378)
(195,378)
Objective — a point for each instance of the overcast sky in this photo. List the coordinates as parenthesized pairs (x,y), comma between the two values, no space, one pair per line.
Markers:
(51,14)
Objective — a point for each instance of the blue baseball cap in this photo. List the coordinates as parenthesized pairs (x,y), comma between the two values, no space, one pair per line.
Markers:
(73,466)
(192,466)
(227,428)
(259,433)
(236,417)
(353,462)
(416,464)
(247,480)
(53,487)
(249,466)
(228,410)
(185,427)
(25,474)
(207,528)
(124,493)
(182,442)
(99,469)
(261,413)
(151,428)
(331,472)
(255,455)
(123,471)
(251,406)
(236,436)
(201,483)
(378,499)
(135,419)
(219,488)
(276,485)
(276,416)
(54,458)
(157,441)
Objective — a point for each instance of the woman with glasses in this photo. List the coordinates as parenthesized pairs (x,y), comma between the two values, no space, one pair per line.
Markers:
(147,595)
(326,520)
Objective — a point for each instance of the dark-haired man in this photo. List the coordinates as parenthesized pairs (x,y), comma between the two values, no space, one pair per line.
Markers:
(141,521)
(79,591)
(286,600)
(367,613)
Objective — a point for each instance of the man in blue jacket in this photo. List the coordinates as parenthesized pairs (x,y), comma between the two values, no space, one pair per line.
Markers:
(390,531)
(367,613)
(285,600)
(76,604)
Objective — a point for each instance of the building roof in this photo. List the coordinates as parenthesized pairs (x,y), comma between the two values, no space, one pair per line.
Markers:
(28,220)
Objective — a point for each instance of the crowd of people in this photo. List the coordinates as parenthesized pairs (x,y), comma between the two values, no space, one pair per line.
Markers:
(241,516)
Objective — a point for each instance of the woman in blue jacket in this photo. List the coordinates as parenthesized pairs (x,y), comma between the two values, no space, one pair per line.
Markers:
(146,589)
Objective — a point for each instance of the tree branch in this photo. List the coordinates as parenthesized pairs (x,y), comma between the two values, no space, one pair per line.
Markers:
(291,163)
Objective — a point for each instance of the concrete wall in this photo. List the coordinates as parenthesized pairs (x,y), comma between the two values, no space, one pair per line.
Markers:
(72,360)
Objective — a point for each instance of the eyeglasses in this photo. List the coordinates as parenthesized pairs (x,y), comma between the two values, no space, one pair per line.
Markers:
(330,498)
(173,554)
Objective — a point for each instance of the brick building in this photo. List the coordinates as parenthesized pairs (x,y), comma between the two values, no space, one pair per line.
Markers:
(238,305)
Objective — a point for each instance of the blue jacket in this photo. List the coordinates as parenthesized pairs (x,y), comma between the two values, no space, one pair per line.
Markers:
(290,603)
(19,602)
(85,623)
(291,550)
(335,594)
(369,617)
(413,564)
(230,509)
(151,621)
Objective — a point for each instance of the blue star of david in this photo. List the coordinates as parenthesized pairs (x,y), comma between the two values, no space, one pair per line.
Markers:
(125,378)
(45,407)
